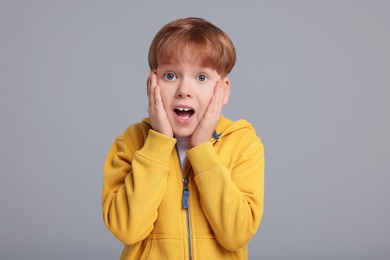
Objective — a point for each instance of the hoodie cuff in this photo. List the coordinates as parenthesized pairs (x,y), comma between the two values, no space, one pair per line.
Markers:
(158,147)
(203,158)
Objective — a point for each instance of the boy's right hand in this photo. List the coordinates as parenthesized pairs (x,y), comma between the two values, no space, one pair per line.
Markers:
(156,110)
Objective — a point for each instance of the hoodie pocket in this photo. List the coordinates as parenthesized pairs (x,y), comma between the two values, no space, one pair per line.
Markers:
(209,248)
(164,247)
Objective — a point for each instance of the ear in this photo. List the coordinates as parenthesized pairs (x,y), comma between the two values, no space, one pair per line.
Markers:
(226,85)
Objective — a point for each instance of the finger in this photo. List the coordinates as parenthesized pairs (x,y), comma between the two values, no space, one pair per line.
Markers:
(153,78)
(216,97)
(217,94)
(148,85)
(223,85)
(151,91)
(150,82)
(221,95)
(155,88)
(157,96)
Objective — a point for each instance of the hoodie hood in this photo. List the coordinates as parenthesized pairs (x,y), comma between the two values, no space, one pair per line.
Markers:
(224,127)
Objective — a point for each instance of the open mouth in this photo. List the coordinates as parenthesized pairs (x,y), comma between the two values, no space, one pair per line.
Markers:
(184,112)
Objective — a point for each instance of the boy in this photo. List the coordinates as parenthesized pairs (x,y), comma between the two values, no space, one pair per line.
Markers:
(186,183)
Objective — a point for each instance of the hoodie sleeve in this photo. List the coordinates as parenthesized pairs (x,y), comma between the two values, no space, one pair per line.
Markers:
(134,184)
(231,197)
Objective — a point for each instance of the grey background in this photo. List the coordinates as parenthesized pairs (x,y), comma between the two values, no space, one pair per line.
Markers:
(312,76)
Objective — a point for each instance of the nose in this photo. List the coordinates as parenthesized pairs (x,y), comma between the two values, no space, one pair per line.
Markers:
(184,89)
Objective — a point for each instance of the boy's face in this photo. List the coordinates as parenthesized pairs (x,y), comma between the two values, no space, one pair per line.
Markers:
(186,90)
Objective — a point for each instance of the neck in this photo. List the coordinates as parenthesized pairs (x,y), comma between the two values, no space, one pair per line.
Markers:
(183,140)
(183,144)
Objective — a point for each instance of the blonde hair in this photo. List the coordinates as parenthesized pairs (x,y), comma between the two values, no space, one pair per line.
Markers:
(193,39)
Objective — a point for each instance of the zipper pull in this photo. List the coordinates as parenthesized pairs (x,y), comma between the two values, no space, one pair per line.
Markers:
(186,194)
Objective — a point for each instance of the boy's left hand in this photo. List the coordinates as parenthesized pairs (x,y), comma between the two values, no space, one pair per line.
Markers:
(209,121)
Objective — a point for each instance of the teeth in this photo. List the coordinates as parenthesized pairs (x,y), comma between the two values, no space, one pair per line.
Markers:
(183,109)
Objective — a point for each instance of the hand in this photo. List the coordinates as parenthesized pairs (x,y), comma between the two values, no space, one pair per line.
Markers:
(156,110)
(210,119)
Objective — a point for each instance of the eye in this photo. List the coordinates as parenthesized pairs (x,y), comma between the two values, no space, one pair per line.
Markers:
(202,77)
(170,76)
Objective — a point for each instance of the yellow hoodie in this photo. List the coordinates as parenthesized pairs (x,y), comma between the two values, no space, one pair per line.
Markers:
(148,207)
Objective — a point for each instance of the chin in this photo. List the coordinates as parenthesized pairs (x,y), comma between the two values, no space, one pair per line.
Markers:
(183,133)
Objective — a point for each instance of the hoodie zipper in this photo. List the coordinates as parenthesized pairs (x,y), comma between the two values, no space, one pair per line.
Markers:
(186,206)
(186,194)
